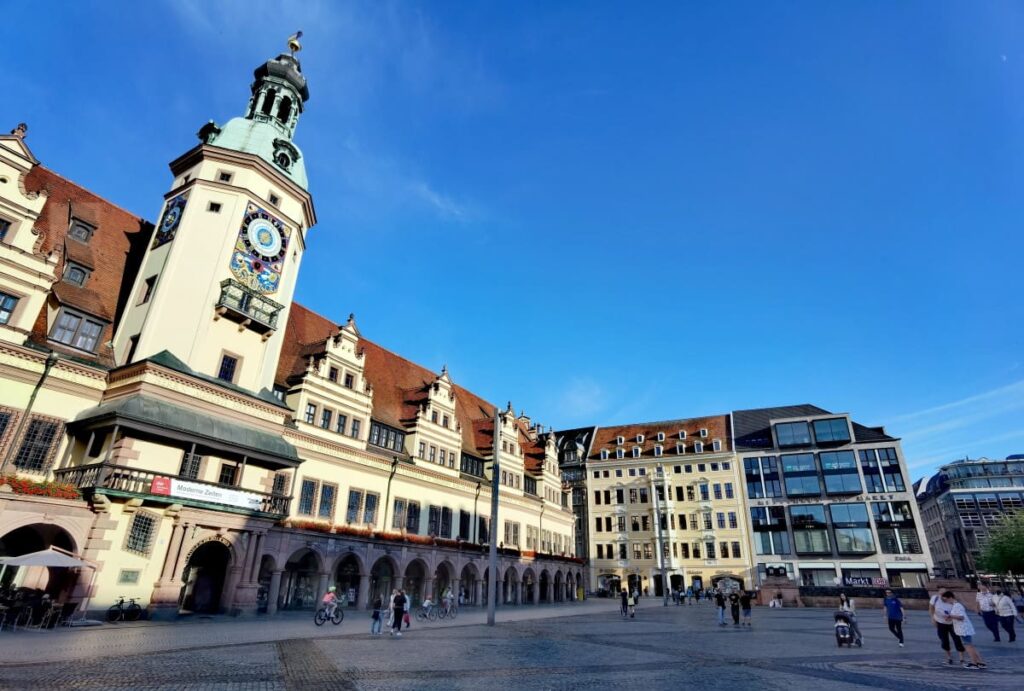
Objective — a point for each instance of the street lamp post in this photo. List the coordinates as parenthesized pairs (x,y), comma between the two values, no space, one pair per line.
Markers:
(492,582)
(387,495)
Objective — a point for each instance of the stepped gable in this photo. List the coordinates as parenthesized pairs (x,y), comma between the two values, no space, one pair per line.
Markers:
(112,255)
(717,426)
(400,386)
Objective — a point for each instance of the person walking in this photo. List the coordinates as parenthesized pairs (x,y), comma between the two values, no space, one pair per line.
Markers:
(689,594)
(624,603)
(940,611)
(405,609)
(734,607)
(745,599)
(1006,611)
(398,609)
(375,618)
(894,614)
(987,609)
(720,606)
(963,628)
(632,604)
(847,605)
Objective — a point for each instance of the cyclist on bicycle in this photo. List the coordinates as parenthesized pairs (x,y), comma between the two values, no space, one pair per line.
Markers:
(448,598)
(330,601)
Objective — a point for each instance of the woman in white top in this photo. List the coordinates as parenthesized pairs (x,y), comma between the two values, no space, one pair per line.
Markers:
(987,610)
(846,605)
(963,628)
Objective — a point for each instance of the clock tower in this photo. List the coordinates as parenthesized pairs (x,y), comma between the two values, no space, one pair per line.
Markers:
(218,277)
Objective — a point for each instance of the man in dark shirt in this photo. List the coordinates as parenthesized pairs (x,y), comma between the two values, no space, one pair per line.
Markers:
(894,614)
(734,607)
(720,606)
(745,606)
(398,607)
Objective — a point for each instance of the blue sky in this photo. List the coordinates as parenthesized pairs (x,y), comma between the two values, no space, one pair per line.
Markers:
(607,213)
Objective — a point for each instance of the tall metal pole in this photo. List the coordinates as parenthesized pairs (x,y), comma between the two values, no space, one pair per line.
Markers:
(659,481)
(492,582)
(387,495)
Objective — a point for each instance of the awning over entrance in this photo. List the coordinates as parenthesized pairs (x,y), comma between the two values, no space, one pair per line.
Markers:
(164,419)
(46,557)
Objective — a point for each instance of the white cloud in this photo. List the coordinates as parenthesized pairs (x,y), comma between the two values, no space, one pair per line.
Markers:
(582,398)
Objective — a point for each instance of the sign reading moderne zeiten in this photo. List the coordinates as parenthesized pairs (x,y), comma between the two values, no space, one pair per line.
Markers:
(173,487)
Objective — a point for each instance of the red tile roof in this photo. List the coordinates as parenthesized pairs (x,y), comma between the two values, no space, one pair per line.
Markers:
(716,425)
(399,386)
(112,254)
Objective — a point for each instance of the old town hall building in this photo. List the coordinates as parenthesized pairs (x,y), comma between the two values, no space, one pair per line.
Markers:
(171,415)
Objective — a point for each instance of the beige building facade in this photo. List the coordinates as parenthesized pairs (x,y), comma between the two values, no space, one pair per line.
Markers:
(171,415)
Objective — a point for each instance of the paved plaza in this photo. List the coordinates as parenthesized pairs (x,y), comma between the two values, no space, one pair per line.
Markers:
(584,645)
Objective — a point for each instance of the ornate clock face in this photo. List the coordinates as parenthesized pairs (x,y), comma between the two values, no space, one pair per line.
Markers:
(260,250)
(172,217)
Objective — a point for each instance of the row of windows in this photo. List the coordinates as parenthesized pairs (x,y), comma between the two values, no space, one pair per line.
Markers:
(442,419)
(328,420)
(386,437)
(545,540)
(348,380)
(678,470)
(706,520)
(434,454)
(849,524)
(838,471)
(660,436)
(680,550)
(659,450)
(830,431)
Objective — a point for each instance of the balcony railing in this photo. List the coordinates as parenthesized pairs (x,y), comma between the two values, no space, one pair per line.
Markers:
(247,307)
(140,482)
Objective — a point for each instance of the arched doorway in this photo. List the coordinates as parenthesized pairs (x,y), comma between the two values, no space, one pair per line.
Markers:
(467,585)
(508,591)
(635,584)
(267,568)
(443,577)
(413,582)
(55,582)
(570,588)
(346,578)
(545,580)
(529,587)
(727,583)
(382,578)
(559,592)
(300,581)
(204,575)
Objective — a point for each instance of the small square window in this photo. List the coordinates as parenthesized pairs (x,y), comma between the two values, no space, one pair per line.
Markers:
(147,290)
(7,303)
(224,176)
(228,367)
(274,199)
(76,274)
(128,577)
(213,207)
(5,225)
(618,472)
(228,474)
(81,231)
(141,533)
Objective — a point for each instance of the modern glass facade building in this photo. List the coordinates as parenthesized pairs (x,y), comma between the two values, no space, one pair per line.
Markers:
(960,504)
(829,499)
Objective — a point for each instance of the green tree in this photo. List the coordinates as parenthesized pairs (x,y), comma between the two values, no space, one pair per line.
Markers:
(1004,552)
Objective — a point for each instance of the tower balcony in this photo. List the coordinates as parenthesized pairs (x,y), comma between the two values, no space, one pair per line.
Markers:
(247,307)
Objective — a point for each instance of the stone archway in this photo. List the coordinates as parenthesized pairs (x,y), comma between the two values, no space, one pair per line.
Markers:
(545,586)
(347,578)
(264,579)
(413,582)
(570,587)
(35,537)
(529,587)
(467,586)
(559,593)
(444,577)
(509,594)
(382,580)
(300,581)
(204,577)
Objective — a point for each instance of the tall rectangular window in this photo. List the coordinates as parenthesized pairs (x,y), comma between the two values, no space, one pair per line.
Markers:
(398,515)
(34,454)
(310,413)
(341,424)
(355,506)
(412,523)
(434,520)
(446,522)
(328,495)
(465,518)
(7,304)
(355,428)
(190,466)
(325,418)
(228,364)
(228,474)
(370,508)
(307,496)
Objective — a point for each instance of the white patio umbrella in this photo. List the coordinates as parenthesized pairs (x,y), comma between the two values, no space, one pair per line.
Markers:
(55,557)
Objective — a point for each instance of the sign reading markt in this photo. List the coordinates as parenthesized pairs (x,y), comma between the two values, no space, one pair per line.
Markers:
(173,487)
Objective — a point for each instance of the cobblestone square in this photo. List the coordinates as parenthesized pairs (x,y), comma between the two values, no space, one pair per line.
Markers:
(583,646)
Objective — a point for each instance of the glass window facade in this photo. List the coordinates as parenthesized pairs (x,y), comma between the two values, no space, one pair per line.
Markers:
(793,434)
(840,470)
(832,431)
(801,475)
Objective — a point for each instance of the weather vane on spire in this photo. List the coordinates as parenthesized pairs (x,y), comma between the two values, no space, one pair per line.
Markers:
(293,43)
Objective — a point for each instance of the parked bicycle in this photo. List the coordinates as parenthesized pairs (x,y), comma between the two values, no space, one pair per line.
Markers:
(120,612)
(322,615)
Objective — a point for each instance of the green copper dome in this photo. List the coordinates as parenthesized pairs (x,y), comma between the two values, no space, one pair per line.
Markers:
(279,94)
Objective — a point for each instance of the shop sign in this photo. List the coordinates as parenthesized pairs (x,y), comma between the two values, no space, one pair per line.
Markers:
(865,581)
(173,487)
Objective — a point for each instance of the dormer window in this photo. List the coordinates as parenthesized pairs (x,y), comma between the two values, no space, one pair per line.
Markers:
(661,436)
(698,447)
(636,452)
(680,449)
(604,454)
(76,274)
(716,445)
(620,453)
(657,450)
(81,231)
(682,434)
(620,440)
(704,432)
(639,439)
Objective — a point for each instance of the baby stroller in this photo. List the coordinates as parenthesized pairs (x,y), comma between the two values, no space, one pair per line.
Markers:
(844,630)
